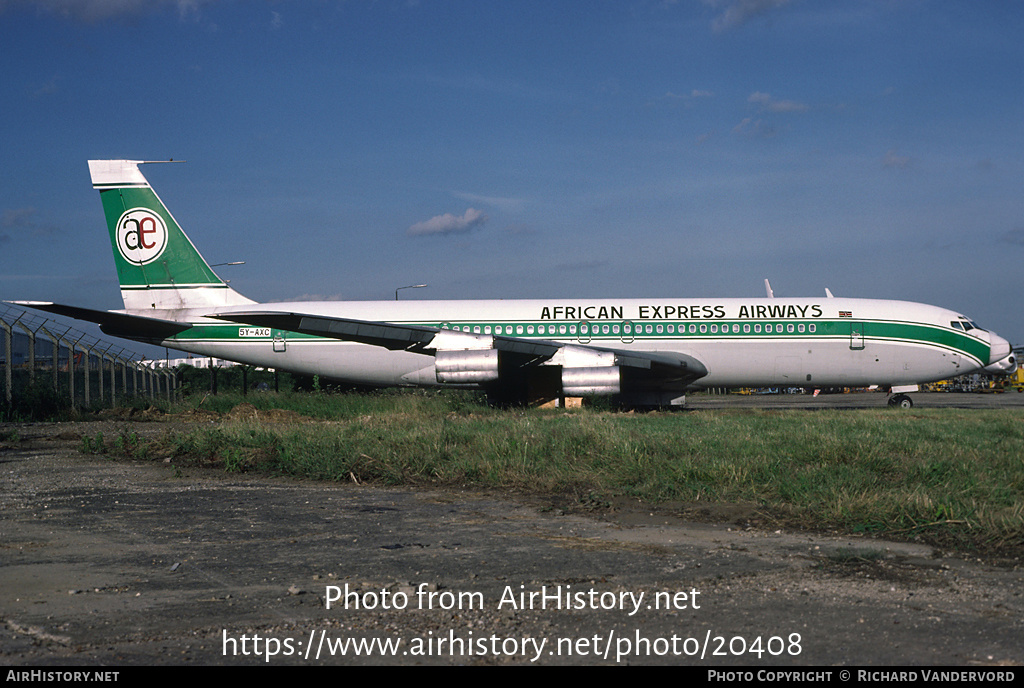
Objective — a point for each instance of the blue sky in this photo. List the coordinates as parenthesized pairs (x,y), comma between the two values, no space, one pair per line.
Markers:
(652,148)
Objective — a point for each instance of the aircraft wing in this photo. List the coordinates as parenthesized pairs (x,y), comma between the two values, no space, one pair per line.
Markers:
(115,324)
(463,357)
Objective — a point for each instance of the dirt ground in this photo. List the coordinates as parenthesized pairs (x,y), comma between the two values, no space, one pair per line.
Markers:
(120,563)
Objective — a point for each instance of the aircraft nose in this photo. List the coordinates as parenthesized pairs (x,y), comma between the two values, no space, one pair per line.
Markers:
(999,348)
(1002,360)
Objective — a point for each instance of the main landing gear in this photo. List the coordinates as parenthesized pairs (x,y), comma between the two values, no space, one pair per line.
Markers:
(901,401)
(899,398)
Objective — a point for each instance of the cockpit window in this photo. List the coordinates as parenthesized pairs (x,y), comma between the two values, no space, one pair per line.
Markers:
(965,325)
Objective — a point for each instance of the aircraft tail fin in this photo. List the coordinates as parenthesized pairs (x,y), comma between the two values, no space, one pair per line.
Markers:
(157,265)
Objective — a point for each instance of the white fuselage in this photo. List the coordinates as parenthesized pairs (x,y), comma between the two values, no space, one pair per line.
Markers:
(742,342)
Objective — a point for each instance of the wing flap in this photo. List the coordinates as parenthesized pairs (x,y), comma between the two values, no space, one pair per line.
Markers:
(394,337)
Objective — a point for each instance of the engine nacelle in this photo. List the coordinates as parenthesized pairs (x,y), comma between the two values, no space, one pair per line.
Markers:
(1005,366)
(580,382)
(472,366)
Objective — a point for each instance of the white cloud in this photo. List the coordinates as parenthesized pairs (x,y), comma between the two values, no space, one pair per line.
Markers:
(754,128)
(674,99)
(1014,236)
(736,12)
(24,222)
(97,10)
(582,265)
(449,224)
(18,217)
(500,202)
(773,105)
(318,297)
(47,89)
(895,162)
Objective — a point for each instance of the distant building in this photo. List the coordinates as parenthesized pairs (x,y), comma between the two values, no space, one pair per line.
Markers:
(195,362)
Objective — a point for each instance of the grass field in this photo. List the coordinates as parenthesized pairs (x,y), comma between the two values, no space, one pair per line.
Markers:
(949,476)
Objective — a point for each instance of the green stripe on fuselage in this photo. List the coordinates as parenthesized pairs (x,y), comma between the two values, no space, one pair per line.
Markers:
(833,330)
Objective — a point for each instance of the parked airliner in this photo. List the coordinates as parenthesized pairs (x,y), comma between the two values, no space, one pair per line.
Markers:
(643,352)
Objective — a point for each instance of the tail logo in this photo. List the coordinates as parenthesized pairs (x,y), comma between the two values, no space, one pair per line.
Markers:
(141,236)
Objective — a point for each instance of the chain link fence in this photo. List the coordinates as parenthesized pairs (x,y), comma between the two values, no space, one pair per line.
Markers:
(47,363)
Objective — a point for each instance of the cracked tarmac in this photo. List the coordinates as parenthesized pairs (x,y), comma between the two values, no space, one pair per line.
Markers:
(129,563)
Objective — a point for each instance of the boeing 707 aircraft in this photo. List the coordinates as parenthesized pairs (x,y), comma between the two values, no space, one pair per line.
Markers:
(643,352)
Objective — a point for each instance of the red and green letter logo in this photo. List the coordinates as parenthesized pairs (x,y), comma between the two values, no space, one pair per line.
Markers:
(141,236)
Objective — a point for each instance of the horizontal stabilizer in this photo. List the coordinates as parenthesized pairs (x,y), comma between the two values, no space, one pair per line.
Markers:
(112,323)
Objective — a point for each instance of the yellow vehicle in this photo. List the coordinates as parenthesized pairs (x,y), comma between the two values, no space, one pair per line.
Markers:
(1016,380)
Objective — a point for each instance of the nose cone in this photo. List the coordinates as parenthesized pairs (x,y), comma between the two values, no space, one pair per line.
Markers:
(999,348)
(1001,357)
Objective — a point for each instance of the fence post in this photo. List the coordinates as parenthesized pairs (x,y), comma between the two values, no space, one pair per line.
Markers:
(53,343)
(87,374)
(113,376)
(124,374)
(71,363)
(100,362)
(7,361)
(103,357)
(31,349)
(71,369)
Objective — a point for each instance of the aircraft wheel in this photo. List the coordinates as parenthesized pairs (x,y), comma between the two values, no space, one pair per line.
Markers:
(901,401)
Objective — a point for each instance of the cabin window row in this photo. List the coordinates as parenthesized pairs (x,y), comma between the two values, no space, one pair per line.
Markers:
(635,330)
